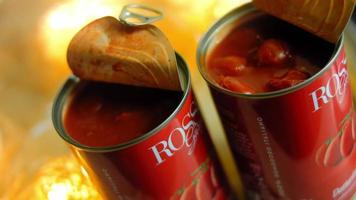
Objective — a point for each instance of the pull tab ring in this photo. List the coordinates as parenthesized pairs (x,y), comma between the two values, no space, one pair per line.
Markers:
(137,14)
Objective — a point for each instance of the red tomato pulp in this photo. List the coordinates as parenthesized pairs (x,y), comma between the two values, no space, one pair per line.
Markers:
(265,54)
(103,114)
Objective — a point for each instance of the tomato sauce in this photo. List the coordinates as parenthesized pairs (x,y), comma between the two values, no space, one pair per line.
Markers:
(104,114)
(265,54)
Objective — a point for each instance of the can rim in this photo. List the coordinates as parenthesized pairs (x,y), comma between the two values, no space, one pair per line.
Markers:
(233,16)
(69,85)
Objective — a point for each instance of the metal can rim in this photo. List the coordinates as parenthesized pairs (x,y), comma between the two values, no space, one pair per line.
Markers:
(232,16)
(59,104)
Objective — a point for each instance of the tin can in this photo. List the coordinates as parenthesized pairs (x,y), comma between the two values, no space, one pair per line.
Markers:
(173,161)
(295,143)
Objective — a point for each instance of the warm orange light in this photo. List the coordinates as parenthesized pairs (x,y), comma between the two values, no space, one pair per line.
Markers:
(62,179)
(64,20)
(224,6)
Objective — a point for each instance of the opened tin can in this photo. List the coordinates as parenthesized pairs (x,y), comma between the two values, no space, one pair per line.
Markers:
(294,143)
(175,160)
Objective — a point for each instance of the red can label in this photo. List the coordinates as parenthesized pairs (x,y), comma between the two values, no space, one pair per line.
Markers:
(174,163)
(300,145)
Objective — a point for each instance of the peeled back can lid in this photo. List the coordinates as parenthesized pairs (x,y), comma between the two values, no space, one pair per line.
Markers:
(324,18)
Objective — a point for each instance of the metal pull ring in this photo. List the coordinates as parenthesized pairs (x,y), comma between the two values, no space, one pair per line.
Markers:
(136,15)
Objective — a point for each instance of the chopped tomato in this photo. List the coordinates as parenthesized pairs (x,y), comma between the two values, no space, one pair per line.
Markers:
(230,65)
(236,85)
(274,53)
(257,57)
(293,77)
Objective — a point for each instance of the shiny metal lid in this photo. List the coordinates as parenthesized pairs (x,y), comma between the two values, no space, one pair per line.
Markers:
(324,18)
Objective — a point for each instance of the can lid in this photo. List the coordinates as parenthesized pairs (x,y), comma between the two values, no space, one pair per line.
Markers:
(326,19)
(128,51)
(138,15)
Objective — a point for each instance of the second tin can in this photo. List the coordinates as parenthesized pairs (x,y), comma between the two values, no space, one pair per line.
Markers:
(294,143)
(173,161)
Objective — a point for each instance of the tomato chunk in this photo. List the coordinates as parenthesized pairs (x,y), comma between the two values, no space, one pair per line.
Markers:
(230,65)
(296,75)
(293,77)
(236,85)
(274,53)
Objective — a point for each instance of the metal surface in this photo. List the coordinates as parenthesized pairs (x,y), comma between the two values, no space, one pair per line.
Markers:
(351,29)
(137,14)
(324,18)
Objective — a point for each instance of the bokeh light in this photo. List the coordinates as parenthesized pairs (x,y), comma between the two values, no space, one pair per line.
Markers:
(62,21)
(62,179)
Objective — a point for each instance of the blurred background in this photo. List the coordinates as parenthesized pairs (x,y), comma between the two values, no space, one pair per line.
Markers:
(34,162)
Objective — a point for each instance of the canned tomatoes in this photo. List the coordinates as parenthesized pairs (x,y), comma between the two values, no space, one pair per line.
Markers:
(285,102)
(139,143)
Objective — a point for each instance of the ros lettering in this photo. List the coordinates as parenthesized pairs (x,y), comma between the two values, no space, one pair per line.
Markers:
(184,136)
(336,85)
